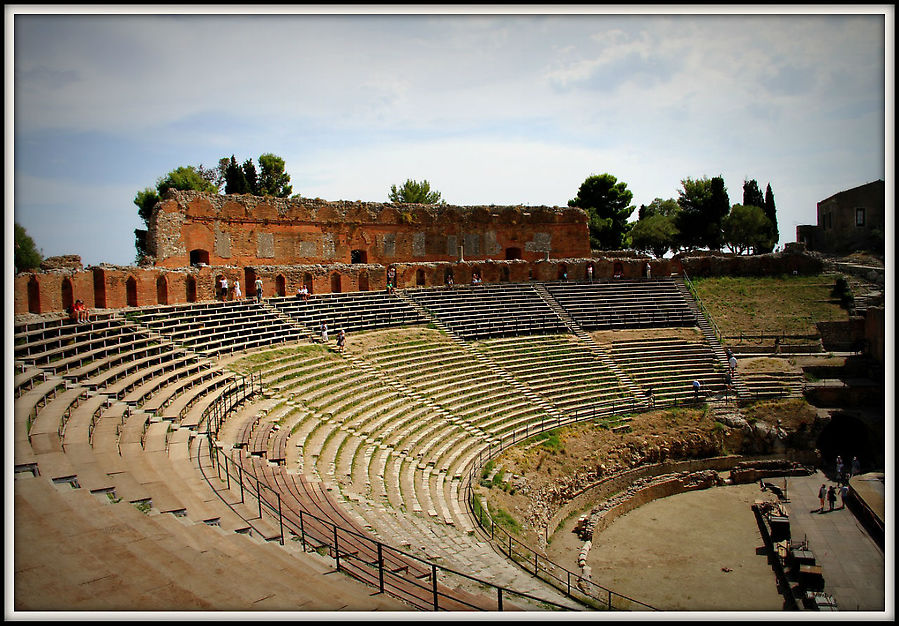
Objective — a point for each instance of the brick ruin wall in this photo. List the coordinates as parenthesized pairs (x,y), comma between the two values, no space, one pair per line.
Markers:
(244,230)
(116,287)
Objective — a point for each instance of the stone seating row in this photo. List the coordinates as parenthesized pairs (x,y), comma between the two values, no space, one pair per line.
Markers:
(72,555)
(406,578)
(86,346)
(622,304)
(560,369)
(352,312)
(33,336)
(222,327)
(483,311)
(764,385)
(669,366)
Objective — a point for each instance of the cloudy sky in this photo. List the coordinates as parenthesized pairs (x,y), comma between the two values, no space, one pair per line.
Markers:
(500,108)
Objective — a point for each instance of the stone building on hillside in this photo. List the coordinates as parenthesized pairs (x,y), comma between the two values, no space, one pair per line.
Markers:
(848,221)
(191,228)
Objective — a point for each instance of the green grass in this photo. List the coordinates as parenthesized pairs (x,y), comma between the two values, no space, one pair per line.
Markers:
(501,517)
(769,304)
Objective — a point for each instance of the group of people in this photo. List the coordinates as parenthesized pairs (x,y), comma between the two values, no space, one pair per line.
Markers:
(844,473)
(227,291)
(79,312)
(341,337)
(827,496)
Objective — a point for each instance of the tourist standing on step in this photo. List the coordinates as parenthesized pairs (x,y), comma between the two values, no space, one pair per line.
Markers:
(648,271)
(696,387)
(223,285)
(258,285)
(237,292)
(856,467)
(324,333)
(590,273)
(733,364)
(652,398)
(832,496)
(844,493)
(839,464)
(822,496)
(341,340)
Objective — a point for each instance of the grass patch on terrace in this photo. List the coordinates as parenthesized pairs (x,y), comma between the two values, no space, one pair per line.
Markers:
(260,361)
(769,304)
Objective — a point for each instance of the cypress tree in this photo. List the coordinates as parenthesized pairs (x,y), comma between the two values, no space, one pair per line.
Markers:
(771,214)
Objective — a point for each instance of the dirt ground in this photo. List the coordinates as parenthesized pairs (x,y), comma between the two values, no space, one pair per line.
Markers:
(696,551)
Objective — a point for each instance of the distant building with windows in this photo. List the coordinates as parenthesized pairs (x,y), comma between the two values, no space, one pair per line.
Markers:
(847,221)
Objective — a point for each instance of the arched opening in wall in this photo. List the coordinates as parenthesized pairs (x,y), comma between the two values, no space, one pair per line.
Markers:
(504,274)
(563,272)
(249,281)
(848,436)
(618,270)
(358,256)
(99,290)
(199,256)
(420,278)
(191,286)
(363,281)
(307,282)
(335,282)
(68,296)
(530,274)
(448,276)
(131,291)
(34,296)
(162,290)
(280,285)
(513,253)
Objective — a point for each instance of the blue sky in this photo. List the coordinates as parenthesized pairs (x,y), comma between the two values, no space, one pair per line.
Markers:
(500,108)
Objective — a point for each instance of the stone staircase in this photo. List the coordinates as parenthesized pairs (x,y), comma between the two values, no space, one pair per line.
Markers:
(575,328)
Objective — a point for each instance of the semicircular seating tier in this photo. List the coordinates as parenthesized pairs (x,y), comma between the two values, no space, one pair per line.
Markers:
(378,440)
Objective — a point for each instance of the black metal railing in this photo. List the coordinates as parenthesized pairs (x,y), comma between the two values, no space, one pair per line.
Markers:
(702,309)
(572,584)
(319,534)
(358,555)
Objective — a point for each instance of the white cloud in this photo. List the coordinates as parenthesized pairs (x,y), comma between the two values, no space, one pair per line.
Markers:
(490,109)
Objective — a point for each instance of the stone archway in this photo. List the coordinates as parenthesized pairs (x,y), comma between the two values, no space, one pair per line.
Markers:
(363,281)
(280,285)
(131,291)
(308,283)
(162,290)
(68,294)
(335,282)
(34,295)
(191,288)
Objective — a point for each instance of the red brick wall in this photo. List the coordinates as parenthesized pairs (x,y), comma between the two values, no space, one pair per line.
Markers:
(248,230)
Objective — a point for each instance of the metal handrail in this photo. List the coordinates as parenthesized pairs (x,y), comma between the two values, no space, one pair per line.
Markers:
(508,543)
(218,410)
(702,309)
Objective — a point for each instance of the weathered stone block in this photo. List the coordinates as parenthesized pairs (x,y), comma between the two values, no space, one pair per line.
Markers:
(265,245)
